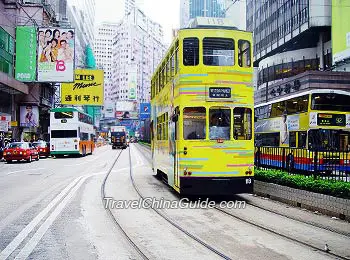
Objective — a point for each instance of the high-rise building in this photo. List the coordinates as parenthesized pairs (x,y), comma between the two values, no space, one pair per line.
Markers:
(137,49)
(292,46)
(81,16)
(105,32)
(190,9)
(129,5)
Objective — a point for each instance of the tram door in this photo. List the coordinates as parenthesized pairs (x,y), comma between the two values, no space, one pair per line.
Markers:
(174,145)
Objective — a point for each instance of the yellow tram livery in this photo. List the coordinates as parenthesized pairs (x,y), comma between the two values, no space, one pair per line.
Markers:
(202,112)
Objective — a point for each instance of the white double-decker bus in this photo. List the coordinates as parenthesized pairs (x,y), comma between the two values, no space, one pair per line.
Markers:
(71,132)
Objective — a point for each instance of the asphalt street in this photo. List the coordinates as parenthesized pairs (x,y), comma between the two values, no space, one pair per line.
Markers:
(52,209)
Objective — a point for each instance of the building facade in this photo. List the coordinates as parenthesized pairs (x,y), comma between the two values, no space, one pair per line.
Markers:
(290,37)
(105,32)
(17,97)
(190,9)
(137,49)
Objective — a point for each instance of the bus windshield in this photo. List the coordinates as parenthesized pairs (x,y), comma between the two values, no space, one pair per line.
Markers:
(118,134)
(330,102)
(329,140)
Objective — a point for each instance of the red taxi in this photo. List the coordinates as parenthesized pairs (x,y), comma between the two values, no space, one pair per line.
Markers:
(20,151)
(43,148)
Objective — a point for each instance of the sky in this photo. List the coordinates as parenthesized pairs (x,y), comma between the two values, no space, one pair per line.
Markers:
(164,12)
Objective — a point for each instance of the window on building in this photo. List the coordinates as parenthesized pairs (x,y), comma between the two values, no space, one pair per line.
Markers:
(194,119)
(190,51)
(218,52)
(244,57)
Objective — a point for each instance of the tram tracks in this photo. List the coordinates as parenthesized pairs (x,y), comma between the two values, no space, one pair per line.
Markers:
(116,222)
(275,232)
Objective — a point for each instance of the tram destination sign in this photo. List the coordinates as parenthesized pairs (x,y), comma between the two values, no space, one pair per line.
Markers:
(331,119)
(215,92)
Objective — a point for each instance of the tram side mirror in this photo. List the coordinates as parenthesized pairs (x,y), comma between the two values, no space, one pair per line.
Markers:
(175,118)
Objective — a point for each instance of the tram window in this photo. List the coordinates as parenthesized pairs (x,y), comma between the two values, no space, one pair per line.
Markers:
(292,139)
(220,123)
(190,51)
(61,115)
(194,123)
(177,58)
(244,57)
(242,123)
(218,52)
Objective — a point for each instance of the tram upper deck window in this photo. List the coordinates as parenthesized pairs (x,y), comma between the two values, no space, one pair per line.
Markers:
(242,123)
(194,123)
(190,51)
(220,123)
(218,52)
(244,57)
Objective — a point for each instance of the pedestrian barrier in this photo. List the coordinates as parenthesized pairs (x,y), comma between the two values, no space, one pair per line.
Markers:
(328,164)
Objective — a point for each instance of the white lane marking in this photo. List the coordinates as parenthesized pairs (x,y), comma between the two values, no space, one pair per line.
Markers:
(26,170)
(34,240)
(29,228)
(20,210)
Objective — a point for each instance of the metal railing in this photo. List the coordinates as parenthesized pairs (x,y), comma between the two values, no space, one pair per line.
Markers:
(324,164)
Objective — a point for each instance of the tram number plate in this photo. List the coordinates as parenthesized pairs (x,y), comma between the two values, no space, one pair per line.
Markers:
(220,92)
(248,181)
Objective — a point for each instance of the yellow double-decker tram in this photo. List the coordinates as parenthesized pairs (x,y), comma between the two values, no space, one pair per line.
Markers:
(202,111)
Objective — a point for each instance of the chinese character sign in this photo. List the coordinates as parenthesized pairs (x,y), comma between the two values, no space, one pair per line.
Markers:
(55,55)
(87,89)
(26,53)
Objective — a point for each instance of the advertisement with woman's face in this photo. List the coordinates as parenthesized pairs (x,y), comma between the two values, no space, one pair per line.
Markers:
(56,48)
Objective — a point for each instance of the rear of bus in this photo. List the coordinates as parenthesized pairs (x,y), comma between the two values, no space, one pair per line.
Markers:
(64,137)
(215,104)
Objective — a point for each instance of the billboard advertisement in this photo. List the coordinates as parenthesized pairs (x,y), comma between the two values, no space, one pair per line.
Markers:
(109,110)
(26,46)
(340,30)
(87,89)
(132,85)
(4,123)
(56,47)
(29,116)
(145,111)
(132,126)
(126,115)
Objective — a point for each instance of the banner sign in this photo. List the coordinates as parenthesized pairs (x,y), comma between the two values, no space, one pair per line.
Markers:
(56,53)
(145,111)
(87,89)
(340,30)
(26,47)
(132,85)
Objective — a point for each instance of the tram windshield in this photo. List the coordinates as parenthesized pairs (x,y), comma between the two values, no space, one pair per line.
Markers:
(220,123)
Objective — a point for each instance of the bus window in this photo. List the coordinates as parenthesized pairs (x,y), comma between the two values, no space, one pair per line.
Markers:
(218,52)
(267,139)
(292,139)
(297,105)
(220,123)
(244,58)
(302,139)
(194,123)
(330,101)
(64,133)
(190,51)
(62,115)
(242,123)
